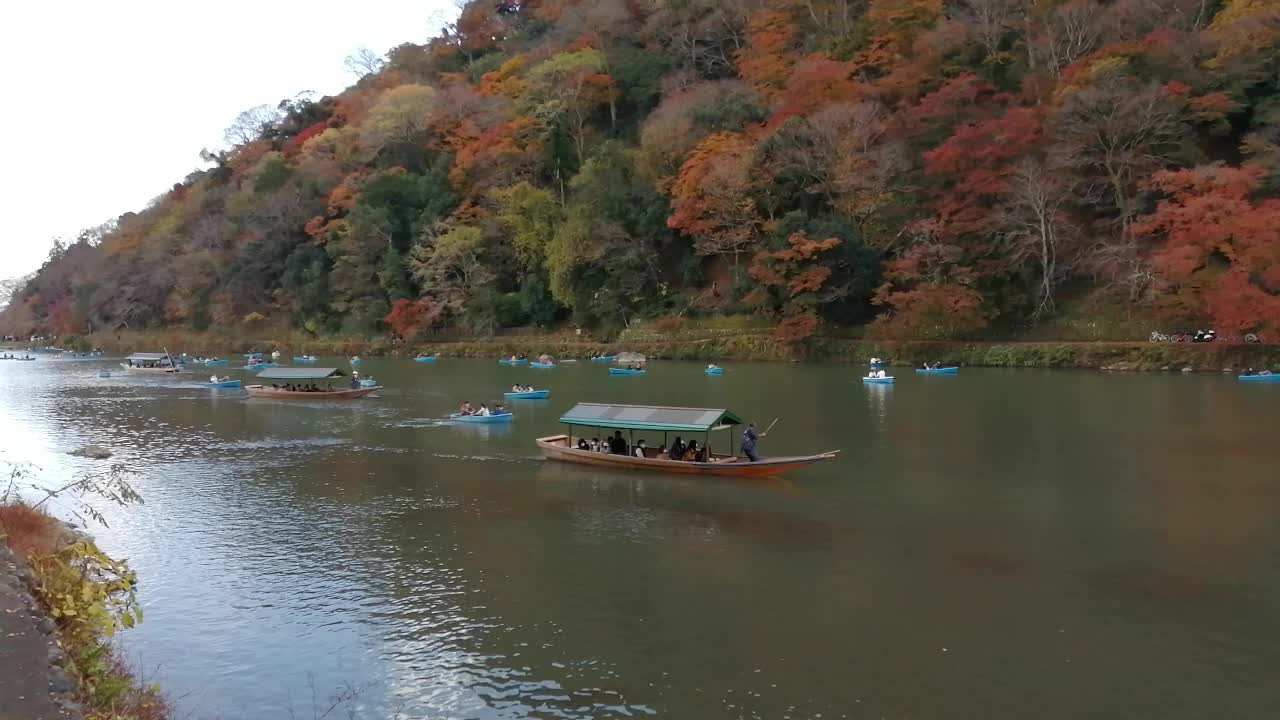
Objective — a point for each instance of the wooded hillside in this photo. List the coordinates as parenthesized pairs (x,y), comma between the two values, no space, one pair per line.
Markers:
(930,168)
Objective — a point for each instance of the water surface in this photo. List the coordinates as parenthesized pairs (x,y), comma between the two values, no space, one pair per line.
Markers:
(998,544)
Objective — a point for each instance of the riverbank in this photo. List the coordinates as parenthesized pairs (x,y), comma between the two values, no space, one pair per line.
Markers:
(736,345)
(61,602)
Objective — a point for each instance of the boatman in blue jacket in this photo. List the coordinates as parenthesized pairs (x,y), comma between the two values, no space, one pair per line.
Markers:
(749,439)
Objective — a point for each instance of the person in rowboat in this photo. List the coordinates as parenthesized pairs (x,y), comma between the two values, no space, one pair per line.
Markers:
(466,408)
(483,411)
(517,389)
(749,440)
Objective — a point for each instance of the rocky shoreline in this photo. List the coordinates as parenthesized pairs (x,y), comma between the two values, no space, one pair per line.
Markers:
(35,684)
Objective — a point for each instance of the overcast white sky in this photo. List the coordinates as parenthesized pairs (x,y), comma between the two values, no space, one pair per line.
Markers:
(106,105)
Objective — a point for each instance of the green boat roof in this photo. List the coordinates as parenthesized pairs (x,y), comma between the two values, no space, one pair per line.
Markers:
(291,373)
(648,417)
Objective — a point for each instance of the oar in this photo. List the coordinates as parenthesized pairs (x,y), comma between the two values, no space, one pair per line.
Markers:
(766,431)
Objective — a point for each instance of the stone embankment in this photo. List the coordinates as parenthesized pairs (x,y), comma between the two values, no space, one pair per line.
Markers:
(33,682)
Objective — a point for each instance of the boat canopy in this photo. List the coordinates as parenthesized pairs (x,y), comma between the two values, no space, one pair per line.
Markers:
(292,373)
(147,356)
(647,417)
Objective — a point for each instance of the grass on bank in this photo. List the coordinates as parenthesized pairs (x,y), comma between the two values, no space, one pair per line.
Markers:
(90,596)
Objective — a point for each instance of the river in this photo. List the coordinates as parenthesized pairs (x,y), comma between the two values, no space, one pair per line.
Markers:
(997,544)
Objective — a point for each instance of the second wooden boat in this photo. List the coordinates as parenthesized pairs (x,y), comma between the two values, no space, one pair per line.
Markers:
(288,380)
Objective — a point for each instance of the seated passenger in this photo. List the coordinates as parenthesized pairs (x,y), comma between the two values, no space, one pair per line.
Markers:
(516,388)
(691,453)
(617,445)
(677,449)
(583,444)
(595,444)
(483,411)
(466,408)
(638,451)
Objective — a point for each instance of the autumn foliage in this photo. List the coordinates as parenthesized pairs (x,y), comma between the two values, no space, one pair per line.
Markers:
(934,170)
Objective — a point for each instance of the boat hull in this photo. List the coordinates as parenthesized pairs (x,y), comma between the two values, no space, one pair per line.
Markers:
(714,371)
(262,391)
(543,366)
(259,366)
(431,359)
(228,384)
(152,370)
(624,371)
(938,371)
(877,381)
(562,449)
(535,395)
(306,359)
(507,361)
(481,419)
(604,358)
(1273,378)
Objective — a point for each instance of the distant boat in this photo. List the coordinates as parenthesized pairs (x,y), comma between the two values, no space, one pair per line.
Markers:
(531,395)
(426,358)
(714,371)
(626,371)
(482,419)
(304,375)
(1271,378)
(664,420)
(368,382)
(543,366)
(263,365)
(938,371)
(886,380)
(214,363)
(603,358)
(150,363)
(305,359)
(224,384)
(355,360)
(104,373)
(513,361)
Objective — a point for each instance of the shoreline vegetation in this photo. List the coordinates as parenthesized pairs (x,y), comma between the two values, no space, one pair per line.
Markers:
(82,597)
(732,344)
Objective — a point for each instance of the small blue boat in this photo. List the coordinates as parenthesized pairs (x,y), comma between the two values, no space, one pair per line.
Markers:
(306,359)
(1271,378)
(878,380)
(604,358)
(534,395)
(225,384)
(426,358)
(481,419)
(509,361)
(355,361)
(215,363)
(626,371)
(938,371)
(714,371)
(259,366)
(543,366)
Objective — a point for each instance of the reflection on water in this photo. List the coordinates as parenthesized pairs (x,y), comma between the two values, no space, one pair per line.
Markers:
(997,544)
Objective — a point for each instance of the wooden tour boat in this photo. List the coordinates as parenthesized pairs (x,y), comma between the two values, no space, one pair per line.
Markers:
(151,362)
(304,375)
(668,421)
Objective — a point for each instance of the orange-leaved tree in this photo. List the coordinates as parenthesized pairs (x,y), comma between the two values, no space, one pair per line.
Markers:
(408,318)
(711,200)
(795,282)
(1220,247)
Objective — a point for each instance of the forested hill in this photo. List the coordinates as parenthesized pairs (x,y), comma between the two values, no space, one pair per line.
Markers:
(931,168)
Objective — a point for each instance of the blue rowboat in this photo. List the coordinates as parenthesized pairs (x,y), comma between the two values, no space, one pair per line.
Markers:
(355,361)
(225,384)
(482,419)
(714,371)
(509,361)
(543,366)
(626,371)
(426,358)
(1272,378)
(938,371)
(604,358)
(878,381)
(259,366)
(305,359)
(534,395)
(215,363)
